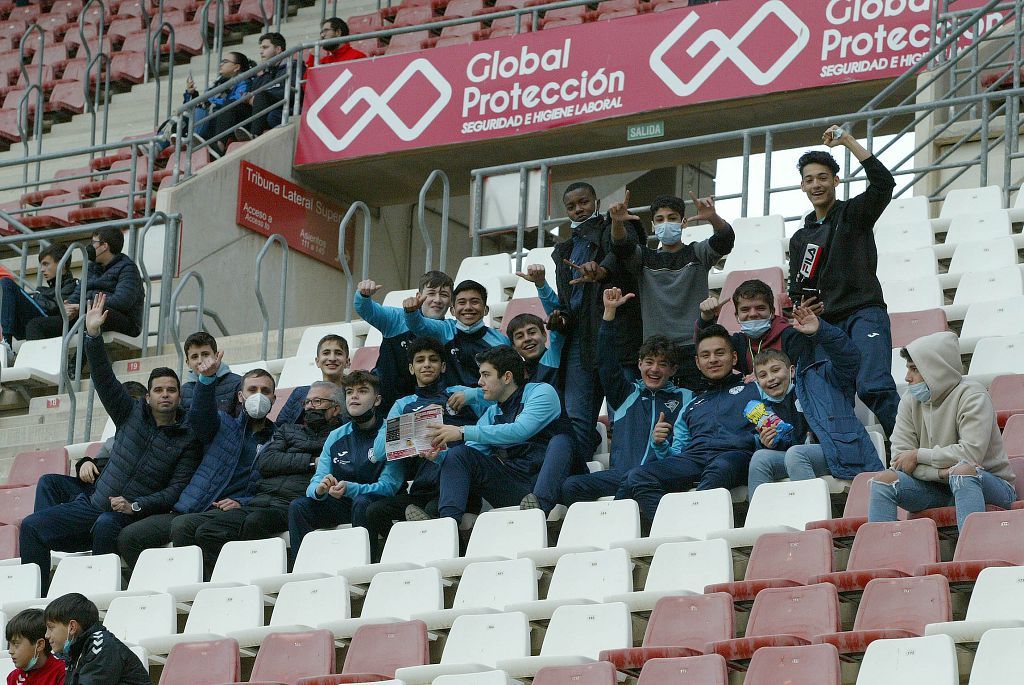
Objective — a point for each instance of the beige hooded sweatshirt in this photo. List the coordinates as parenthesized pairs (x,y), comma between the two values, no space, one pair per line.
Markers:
(957,424)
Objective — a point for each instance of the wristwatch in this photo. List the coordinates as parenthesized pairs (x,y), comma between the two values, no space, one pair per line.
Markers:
(136,507)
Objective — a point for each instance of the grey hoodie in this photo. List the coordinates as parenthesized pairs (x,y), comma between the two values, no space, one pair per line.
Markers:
(958,423)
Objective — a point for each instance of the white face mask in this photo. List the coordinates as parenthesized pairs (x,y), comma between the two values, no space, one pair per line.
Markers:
(574,224)
(257,406)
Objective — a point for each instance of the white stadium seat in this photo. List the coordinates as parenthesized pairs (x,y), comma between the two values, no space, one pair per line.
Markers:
(965,201)
(140,617)
(907,265)
(759,229)
(301,605)
(993,318)
(1000,657)
(216,611)
(983,255)
(680,568)
(581,578)
(997,601)
(486,587)
(411,544)
(913,295)
(997,356)
(982,286)
(784,506)
(393,596)
(589,526)
(910,661)
(239,563)
(19,583)
(684,516)
(322,553)
(978,226)
(499,535)
(902,210)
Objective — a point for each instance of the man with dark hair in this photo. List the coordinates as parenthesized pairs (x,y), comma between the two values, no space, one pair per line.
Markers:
(20,307)
(200,347)
(26,641)
(54,488)
(427,366)
(584,268)
(226,476)
(516,453)
(154,455)
(540,347)
(285,465)
(332,358)
(91,652)
(330,29)
(832,265)
(347,467)
(761,328)
(712,441)
(464,337)
(268,88)
(637,408)
(435,289)
(110,272)
(673,280)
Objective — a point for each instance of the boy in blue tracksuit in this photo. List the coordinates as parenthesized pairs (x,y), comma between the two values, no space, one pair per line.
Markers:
(426,365)
(637,408)
(817,398)
(517,453)
(465,337)
(718,438)
(348,470)
(435,289)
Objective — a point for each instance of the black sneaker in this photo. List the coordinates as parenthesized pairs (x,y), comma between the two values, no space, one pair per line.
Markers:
(530,502)
(414,513)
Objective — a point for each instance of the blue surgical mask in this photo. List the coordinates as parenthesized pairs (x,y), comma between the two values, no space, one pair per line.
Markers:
(469,329)
(669,232)
(32,663)
(920,391)
(755,328)
(575,224)
(67,646)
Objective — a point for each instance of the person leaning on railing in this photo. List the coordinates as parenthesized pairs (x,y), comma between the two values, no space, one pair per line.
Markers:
(22,308)
(211,120)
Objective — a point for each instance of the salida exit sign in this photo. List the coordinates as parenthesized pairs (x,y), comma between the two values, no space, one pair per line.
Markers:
(650,129)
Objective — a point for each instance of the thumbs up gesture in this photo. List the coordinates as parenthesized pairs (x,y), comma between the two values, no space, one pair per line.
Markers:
(662,429)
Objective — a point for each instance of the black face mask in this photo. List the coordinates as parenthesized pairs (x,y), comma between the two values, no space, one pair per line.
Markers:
(366,416)
(316,418)
(90,252)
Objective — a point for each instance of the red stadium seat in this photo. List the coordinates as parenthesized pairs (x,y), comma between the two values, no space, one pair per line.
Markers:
(9,128)
(463,8)
(783,617)
(130,8)
(506,26)
(1013,436)
(10,64)
(665,5)
(600,673)
(710,669)
(123,27)
(412,16)
(69,8)
(377,650)
(1017,464)
(53,23)
(93,449)
(781,560)
(129,67)
(368,46)
(989,538)
(202,663)
(524,305)
(408,42)
(855,511)
(886,549)
(894,608)
(12,30)
(8,542)
(16,503)
(249,12)
(68,97)
(51,216)
(462,30)
(26,13)
(804,665)
(109,207)
(678,626)
(365,358)
(1007,394)
(286,657)
(365,23)
(604,14)
(909,326)
(458,40)
(565,16)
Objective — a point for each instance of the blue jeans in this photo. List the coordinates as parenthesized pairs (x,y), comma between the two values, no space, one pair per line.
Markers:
(582,399)
(589,487)
(648,483)
(75,526)
(17,310)
(870,332)
(799,462)
(306,514)
(969,494)
(53,489)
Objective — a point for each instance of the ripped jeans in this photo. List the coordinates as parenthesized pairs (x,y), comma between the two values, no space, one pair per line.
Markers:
(968,493)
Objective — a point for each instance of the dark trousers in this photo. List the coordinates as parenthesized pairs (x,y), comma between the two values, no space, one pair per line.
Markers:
(870,331)
(51,326)
(17,311)
(582,398)
(648,483)
(306,514)
(589,487)
(382,513)
(75,526)
(213,529)
(152,531)
(53,489)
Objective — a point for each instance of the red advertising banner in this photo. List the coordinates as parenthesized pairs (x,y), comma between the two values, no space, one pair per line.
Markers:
(541,80)
(309,221)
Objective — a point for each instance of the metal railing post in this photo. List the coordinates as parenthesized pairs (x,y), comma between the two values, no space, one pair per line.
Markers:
(280,239)
(358,205)
(200,308)
(421,215)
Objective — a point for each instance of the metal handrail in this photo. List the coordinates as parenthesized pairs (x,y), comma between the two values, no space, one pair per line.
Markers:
(101,62)
(421,214)
(279,239)
(165,28)
(358,205)
(174,319)
(66,328)
(30,88)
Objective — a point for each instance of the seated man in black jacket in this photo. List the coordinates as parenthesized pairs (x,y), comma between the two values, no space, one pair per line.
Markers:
(22,308)
(285,465)
(154,455)
(267,87)
(111,273)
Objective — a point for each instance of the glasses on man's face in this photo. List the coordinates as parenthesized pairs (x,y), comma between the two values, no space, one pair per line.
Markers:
(318,402)
(227,61)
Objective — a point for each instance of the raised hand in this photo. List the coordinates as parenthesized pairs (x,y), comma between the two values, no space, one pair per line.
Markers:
(805,320)
(619,212)
(367,288)
(96,314)
(813,304)
(662,429)
(613,298)
(535,273)
(831,141)
(590,272)
(710,308)
(413,304)
(209,366)
(705,207)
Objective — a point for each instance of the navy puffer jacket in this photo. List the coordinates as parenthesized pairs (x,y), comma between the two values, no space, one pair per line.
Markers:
(121,281)
(149,464)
